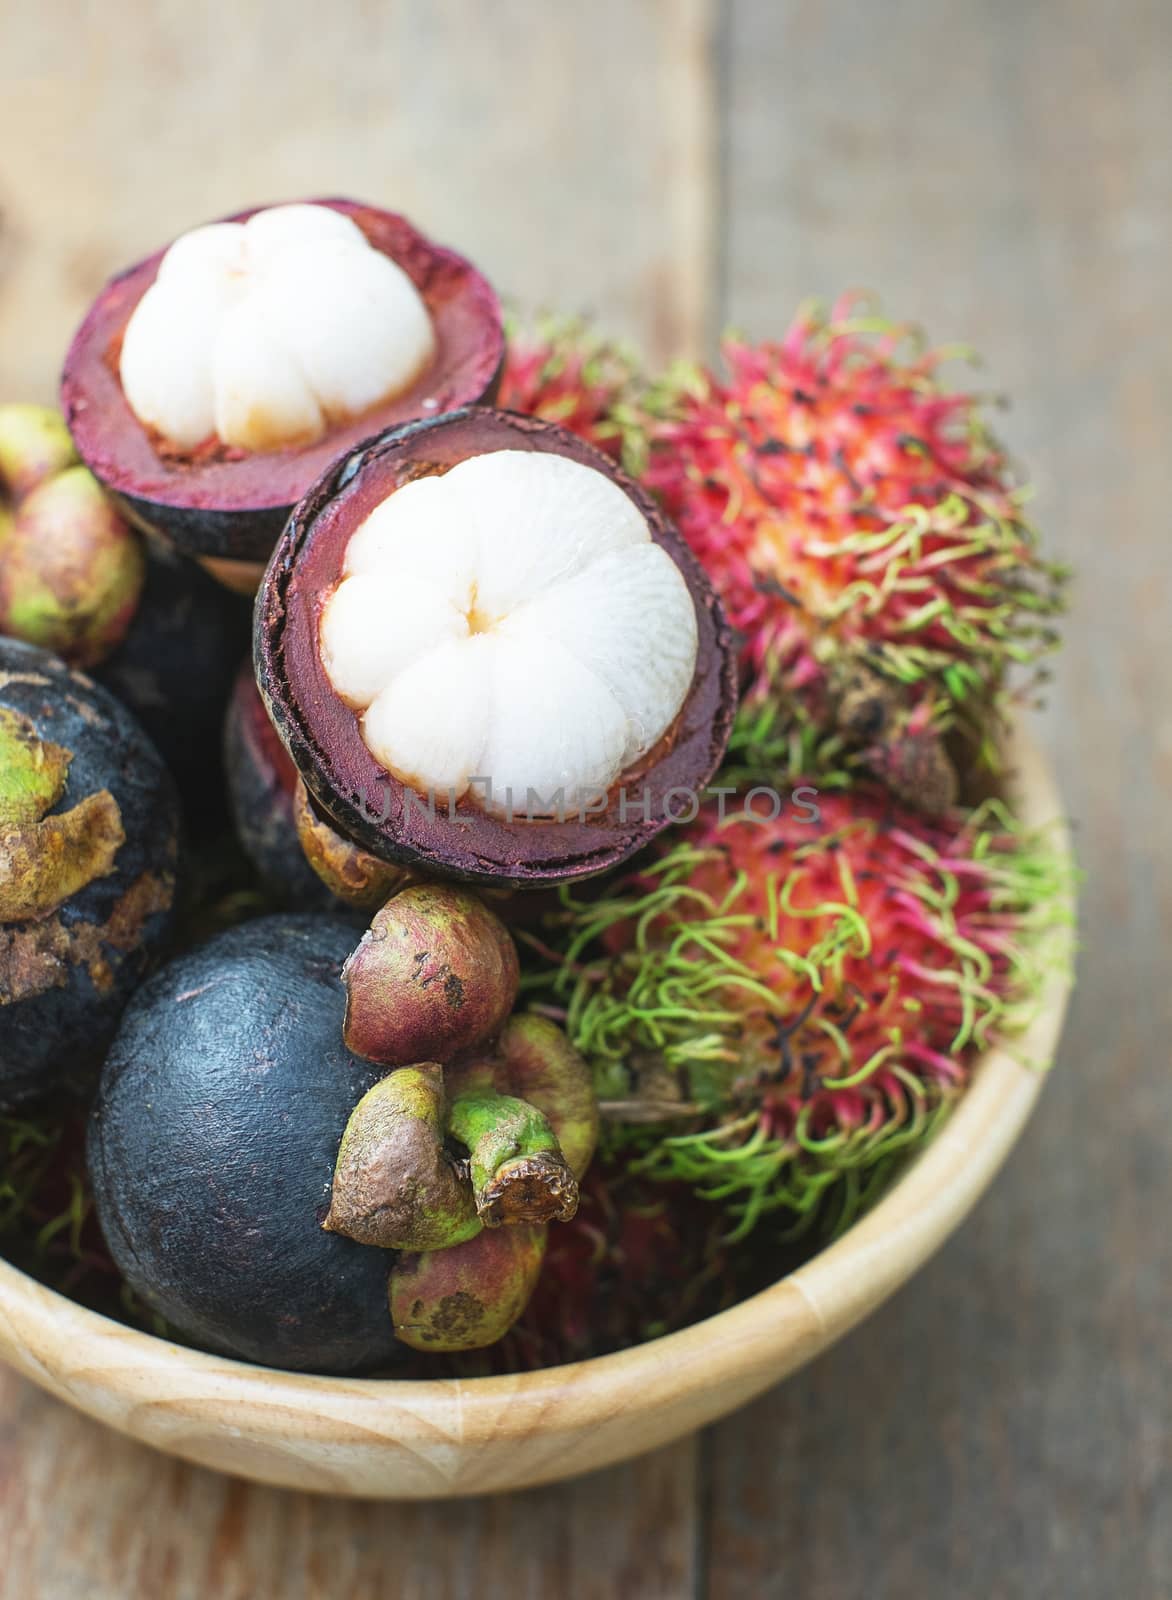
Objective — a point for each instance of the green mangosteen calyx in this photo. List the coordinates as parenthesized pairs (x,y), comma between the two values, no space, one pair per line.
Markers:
(516,1165)
(89,852)
(350,873)
(400,1184)
(436,974)
(34,446)
(71,571)
(396,1184)
(469,1296)
(468,1135)
(45,860)
(533,1061)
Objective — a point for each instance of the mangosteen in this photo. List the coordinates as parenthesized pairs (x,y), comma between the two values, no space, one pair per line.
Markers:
(262,783)
(211,384)
(176,668)
(89,849)
(70,569)
(435,977)
(302,862)
(212,1146)
(490,655)
(420,1170)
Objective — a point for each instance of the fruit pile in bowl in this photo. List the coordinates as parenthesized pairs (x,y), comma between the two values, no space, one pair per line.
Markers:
(579,937)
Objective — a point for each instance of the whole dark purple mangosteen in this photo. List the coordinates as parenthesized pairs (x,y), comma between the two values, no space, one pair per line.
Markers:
(212,1147)
(175,669)
(89,852)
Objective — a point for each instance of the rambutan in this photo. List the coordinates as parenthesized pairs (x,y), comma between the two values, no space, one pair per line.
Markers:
(776,1010)
(868,540)
(638,1260)
(563,372)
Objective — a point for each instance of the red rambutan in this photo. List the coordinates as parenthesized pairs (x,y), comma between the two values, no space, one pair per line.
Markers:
(866,537)
(560,371)
(639,1260)
(776,1009)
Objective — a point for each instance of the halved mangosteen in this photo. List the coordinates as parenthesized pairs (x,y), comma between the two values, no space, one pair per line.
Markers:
(211,384)
(490,655)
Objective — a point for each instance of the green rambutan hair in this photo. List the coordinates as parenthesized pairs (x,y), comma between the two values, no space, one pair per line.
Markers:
(560,369)
(870,543)
(862,525)
(47,1223)
(777,1011)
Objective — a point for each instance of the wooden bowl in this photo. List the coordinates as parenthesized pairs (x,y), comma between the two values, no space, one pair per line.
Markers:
(417,1440)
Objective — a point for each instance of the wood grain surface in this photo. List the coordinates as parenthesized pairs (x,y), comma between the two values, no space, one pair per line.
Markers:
(999,170)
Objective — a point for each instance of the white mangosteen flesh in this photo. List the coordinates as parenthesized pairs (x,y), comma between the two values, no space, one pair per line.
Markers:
(509,630)
(266,333)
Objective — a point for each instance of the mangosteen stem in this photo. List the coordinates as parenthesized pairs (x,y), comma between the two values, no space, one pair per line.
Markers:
(518,1171)
(535,1061)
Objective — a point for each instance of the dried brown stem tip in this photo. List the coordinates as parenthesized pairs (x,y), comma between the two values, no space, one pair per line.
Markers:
(517,1168)
(535,1061)
(399,1186)
(435,975)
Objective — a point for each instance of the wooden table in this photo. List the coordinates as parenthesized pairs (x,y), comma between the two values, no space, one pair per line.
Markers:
(1001,170)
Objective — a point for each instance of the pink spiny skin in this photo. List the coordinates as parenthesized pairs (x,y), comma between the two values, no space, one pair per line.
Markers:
(909,930)
(843,501)
(900,989)
(559,372)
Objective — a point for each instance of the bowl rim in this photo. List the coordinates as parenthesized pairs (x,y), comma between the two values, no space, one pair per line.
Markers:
(84,1357)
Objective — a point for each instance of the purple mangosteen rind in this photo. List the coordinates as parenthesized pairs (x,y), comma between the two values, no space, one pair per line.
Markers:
(261,786)
(322,734)
(234,506)
(211,1149)
(69,966)
(176,668)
